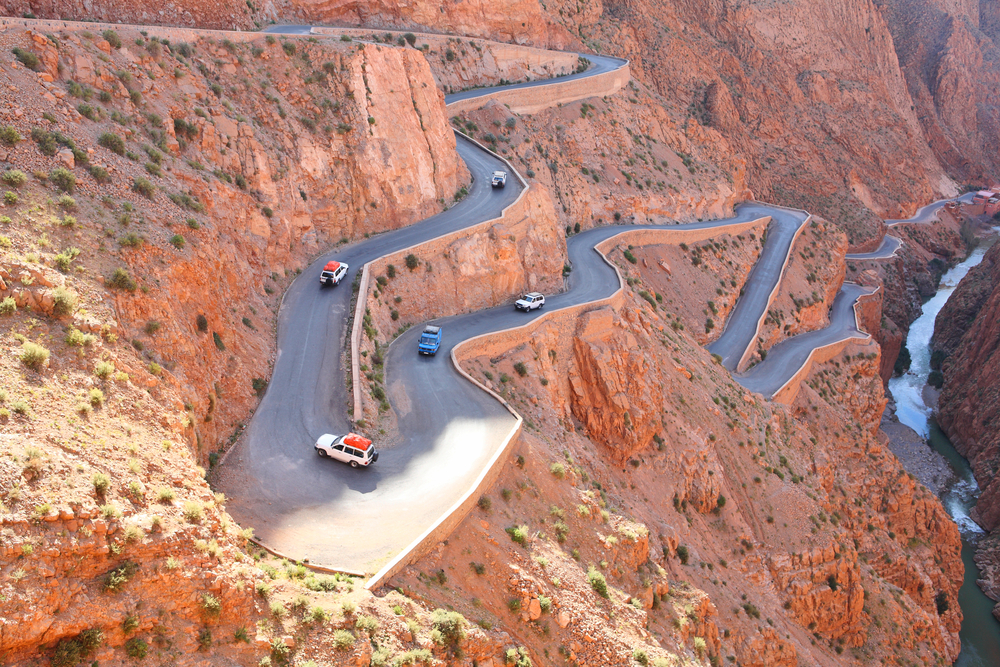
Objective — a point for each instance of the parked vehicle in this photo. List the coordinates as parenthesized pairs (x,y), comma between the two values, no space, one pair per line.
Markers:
(333,273)
(499,179)
(351,448)
(430,340)
(530,301)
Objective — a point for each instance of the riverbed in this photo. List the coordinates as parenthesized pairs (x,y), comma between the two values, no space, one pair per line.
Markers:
(980,633)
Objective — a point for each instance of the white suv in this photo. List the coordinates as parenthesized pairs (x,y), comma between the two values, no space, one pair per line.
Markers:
(499,179)
(333,273)
(351,448)
(530,301)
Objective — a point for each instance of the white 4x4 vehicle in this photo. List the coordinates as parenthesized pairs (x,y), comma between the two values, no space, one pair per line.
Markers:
(333,273)
(499,179)
(351,448)
(530,301)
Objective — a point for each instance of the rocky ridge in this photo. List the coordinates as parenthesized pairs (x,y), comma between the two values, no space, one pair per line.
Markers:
(965,341)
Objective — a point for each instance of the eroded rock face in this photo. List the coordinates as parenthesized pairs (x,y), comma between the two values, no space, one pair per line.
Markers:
(967,330)
(379,156)
(800,510)
(219,14)
(608,394)
(946,51)
(519,21)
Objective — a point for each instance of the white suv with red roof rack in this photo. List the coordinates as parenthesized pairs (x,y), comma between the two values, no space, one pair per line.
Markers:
(333,273)
(351,448)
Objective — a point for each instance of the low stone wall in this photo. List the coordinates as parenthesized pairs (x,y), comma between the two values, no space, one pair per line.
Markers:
(449,521)
(641,237)
(787,392)
(538,98)
(500,57)
(171,33)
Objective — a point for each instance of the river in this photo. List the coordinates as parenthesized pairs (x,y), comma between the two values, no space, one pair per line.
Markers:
(980,633)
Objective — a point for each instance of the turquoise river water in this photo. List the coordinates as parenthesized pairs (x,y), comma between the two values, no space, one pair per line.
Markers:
(980,632)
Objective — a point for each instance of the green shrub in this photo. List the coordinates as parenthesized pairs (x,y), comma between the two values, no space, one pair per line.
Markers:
(104,369)
(101,483)
(343,639)
(177,241)
(123,280)
(597,582)
(450,626)
(46,141)
(87,111)
(27,58)
(116,579)
(130,240)
(412,262)
(112,142)
(68,203)
(63,179)
(683,554)
(136,648)
(193,511)
(10,198)
(64,301)
(69,652)
(185,200)
(144,187)
(518,534)
(211,605)
(99,174)
(96,397)
(112,38)
(8,306)
(9,135)
(218,341)
(367,624)
(14,178)
(33,355)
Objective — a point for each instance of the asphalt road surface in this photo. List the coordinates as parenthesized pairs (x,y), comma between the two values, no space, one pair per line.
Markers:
(890,244)
(929,213)
(308,507)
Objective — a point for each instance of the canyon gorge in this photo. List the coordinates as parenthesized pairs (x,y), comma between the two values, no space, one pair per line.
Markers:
(170,186)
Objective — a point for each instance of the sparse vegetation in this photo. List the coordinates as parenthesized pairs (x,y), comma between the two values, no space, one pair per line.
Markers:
(33,355)
(112,142)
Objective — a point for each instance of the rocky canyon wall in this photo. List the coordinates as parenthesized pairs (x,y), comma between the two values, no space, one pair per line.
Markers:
(248,181)
(711,474)
(222,15)
(966,339)
(520,21)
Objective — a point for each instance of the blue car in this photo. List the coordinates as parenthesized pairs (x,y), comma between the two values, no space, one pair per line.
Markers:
(430,340)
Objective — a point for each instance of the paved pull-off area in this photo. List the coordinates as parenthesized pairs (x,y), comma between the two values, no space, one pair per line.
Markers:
(356,519)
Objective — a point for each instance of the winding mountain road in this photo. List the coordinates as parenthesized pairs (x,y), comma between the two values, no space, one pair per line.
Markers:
(355,520)
(928,213)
